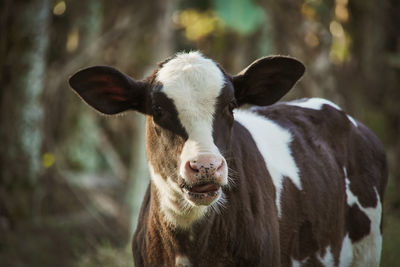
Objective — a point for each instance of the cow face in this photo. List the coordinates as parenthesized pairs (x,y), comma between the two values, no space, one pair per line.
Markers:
(185,95)
(189,103)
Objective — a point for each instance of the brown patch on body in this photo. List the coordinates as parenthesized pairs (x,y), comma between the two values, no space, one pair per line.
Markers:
(358,224)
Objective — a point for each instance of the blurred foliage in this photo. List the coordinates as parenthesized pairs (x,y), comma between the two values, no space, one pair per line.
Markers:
(197,24)
(87,173)
(241,15)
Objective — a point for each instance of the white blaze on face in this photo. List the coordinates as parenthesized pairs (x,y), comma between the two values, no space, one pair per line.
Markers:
(194,84)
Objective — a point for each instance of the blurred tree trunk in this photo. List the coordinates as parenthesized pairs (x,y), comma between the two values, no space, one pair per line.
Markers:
(302,31)
(85,28)
(162,46)
(373,75)
(23,53)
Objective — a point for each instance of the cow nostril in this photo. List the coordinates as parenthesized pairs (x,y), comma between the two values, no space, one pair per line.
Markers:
(221,166)
(192,165)
(206,165)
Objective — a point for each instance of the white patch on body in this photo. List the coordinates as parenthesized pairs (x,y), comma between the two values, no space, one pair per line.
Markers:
(346,252)
(176,210)
(273,142)
(352,120)
(317,103)
(367,251)
(296,263)
(313,103)
(327,259)
(182,261)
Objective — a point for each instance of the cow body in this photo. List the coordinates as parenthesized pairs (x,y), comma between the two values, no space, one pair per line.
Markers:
(290,184)
(329,205)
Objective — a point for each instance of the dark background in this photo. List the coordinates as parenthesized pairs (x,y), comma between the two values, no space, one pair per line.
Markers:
(71,181)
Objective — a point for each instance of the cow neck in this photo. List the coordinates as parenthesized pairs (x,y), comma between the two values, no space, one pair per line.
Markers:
(168,240)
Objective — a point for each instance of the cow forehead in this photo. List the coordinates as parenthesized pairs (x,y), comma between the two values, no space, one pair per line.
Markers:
(194,83)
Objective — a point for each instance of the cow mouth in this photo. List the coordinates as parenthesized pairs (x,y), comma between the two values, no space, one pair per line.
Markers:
(202,193)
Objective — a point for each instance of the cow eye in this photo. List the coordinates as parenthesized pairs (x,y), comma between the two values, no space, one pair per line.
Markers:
(157,111)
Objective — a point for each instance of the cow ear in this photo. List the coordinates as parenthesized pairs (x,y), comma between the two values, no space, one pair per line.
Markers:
(109,90)
(266,80)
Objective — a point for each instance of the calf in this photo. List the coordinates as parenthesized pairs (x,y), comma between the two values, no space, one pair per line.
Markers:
(288,184)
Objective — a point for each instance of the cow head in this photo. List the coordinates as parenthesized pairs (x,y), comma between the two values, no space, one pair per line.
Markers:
(189,102)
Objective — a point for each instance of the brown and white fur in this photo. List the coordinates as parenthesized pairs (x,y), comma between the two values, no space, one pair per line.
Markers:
(278,184)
